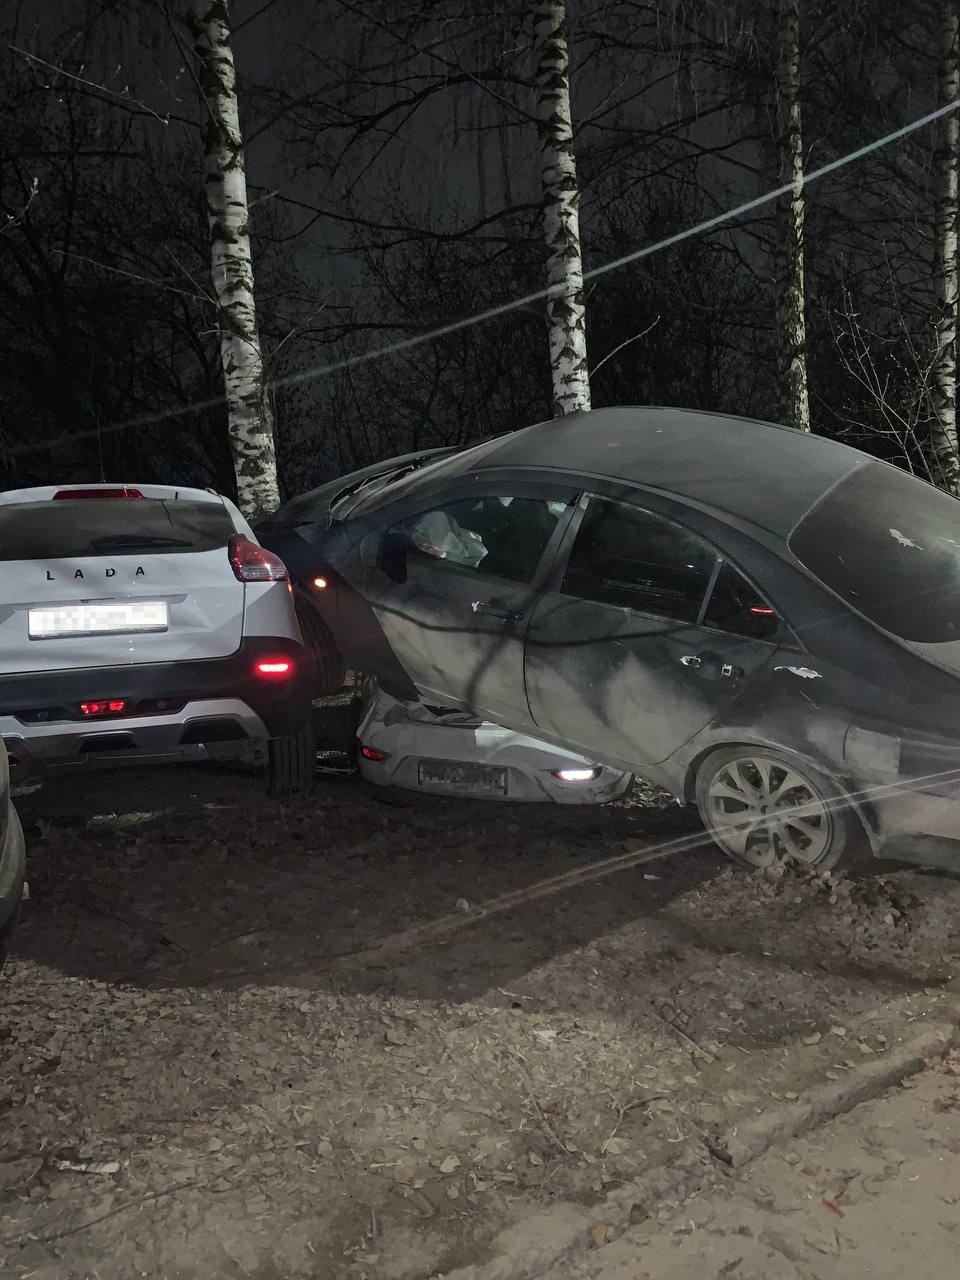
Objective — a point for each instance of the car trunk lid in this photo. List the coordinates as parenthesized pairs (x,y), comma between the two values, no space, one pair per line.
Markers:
(94,581)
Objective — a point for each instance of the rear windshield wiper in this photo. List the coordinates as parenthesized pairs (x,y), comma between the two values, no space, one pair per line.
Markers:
(131,541)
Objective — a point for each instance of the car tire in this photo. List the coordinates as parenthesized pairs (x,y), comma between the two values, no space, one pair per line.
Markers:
(292,764)
(810,822)
(12,874)
(329,668)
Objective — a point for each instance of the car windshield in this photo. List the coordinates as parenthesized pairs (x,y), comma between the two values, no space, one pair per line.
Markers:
(100,527)
(889,546)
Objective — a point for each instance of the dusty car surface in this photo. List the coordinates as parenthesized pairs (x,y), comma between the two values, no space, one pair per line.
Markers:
(447,751)
(142,624)
(12,859)
(764,622)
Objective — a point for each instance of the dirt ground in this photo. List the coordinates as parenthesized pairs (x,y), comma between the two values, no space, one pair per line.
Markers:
(874,1193)
(356,1037)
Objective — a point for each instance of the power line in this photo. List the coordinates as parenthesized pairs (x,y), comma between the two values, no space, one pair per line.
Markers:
(515,304)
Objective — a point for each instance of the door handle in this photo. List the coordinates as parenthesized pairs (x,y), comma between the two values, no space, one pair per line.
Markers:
(712,666)
(496,609)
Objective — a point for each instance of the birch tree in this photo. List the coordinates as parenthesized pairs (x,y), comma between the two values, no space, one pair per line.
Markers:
(566,312)
(249,417)
(788,253)
(943,428)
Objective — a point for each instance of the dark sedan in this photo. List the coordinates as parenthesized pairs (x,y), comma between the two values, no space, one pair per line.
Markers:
(11,858)
(764,622)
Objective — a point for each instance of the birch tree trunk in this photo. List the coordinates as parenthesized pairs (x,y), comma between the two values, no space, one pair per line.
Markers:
(566,314)
(249,418)
(943,428)
(788,254)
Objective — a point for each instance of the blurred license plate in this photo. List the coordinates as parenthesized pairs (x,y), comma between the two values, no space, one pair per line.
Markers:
(478,779)
(109,619)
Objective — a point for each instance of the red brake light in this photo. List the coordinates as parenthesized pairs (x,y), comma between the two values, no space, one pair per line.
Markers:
(762,610)
(96,493)
(253,563)
(103,707)
(371,753)
(274,667)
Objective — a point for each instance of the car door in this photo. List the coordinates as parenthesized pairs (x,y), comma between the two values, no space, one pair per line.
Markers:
(453,587)
(647,636)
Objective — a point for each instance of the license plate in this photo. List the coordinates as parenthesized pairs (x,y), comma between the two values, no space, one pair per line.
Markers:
(477,779)
(109,619)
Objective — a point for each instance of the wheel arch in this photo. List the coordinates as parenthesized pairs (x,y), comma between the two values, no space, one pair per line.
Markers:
(861,806)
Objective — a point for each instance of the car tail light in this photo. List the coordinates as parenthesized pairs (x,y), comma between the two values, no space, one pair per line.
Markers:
(253,563)
(103,707)
(97,493)
(371,753)
(761,610)
(576,775)
(321,584)
(274,667)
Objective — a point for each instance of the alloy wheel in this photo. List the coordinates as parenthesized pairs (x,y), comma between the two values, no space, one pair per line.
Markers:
(762,810)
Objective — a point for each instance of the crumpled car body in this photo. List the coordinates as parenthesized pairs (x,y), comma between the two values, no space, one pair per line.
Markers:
(447,751)
(763,622)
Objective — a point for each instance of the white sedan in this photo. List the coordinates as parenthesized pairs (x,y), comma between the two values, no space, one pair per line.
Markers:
(450,752)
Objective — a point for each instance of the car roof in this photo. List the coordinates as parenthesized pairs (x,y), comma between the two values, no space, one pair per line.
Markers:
(759,472)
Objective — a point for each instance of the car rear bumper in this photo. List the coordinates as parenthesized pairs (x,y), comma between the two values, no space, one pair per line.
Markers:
(519,785)
(174,710)
(195,732)
(917,826)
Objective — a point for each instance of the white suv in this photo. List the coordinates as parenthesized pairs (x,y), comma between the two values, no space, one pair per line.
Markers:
(145,623)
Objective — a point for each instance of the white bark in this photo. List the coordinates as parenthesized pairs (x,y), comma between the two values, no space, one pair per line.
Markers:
(249,417)
(788,253)
(566,314)
(943,430)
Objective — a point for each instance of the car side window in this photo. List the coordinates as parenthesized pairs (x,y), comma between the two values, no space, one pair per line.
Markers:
(736,607)
(638,560)
(494,536)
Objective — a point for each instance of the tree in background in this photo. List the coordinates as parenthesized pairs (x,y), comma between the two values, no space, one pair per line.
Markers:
(943,430)
(566,313)
(398,148)
(249,417)
(788,254)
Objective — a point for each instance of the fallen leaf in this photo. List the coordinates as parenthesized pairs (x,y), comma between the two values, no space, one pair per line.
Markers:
(616,1146)
(546,1034)
(403,1173)
(535,1160)
(89,1166)
(813,1039)
(833,1207)
(449,1165)
(600,1234)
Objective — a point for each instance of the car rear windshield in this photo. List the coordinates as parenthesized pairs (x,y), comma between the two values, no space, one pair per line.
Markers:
(889,545)
(111,527)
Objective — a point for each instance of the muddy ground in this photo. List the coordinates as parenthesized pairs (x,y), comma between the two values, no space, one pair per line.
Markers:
(360,1035)
(875,1193)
